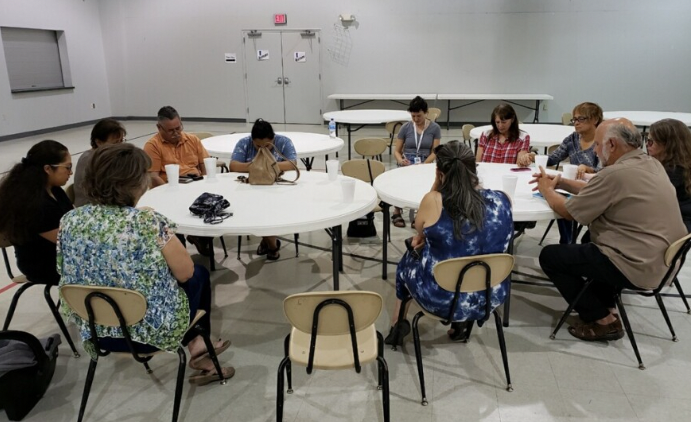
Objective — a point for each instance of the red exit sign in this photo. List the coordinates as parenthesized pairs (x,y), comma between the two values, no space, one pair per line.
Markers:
(280,19)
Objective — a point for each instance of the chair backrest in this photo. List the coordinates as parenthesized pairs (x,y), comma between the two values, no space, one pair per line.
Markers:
(394,127)
(371,147)
(202,135)
(466,131)
(433,113)
(447,272)
(675,248)
(551,148)
(132,304)
(69,190)
(358,169)
(566,119)
(333,319)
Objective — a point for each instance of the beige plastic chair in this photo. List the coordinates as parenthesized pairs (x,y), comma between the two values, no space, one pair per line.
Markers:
(69,190)
(202,135)
(466,134)
(566,119)
(24,283)
(433,113)
(473,274)
(117,307)
(358,169)
(371,147)
(393,128)
(333,330)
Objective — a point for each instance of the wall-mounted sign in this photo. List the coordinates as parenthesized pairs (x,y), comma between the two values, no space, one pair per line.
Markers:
(262,55)
(231,58)
(280,19)
(299,57)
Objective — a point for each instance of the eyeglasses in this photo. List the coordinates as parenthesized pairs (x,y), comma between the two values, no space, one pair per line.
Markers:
(171,131)
(649,142)
(67,166)
(578,119)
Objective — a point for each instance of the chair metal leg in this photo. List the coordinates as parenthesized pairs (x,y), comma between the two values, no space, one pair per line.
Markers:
(239,245)
(58,319)
(87,388)
(549,226)
(380,353)
(13,305)
(7,263)
(279,389)
(289,366)
(147,367)
(212,353)
(681,294)
(223,243)
(570,308)
(297,237)
(502,347)
(418,357)
(179,383)
(385,387)
(661,304)
(629,331)
(507,305)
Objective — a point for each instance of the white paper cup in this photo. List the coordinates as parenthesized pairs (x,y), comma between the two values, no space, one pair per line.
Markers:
(173,173)
(541,160)
(570,171)
(332,169)
(509,185)
(348,186)
(210,164)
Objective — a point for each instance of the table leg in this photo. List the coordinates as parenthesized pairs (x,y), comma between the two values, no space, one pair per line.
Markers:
(387,227)
(348,129)
(536,119)
(212,261)
(308,162)
(336,252)
(448,114)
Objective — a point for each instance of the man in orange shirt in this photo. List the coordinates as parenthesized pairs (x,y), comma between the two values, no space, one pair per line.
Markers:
(173,146)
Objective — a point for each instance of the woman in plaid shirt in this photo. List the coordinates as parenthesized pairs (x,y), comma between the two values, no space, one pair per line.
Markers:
(505,143)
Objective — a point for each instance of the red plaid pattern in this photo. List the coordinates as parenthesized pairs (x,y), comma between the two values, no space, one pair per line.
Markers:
(507,153)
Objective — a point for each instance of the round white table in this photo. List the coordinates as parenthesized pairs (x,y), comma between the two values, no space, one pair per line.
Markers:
(307,145)
(364,118)
(314,203)
(647,118)
(540,135)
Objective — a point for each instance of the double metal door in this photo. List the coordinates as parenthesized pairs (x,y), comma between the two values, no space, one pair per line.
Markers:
(283,76)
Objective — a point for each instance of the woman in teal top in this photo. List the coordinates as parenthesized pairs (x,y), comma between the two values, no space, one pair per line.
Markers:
(111,243)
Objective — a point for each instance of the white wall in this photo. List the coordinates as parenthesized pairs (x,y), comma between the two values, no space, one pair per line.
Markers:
(38,110)
(623,54)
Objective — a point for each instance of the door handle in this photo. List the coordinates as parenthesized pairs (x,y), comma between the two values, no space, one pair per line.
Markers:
(279,80)
(286,81)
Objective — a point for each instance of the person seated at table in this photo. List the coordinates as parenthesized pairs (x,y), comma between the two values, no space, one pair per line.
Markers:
(109,242)
(105,132)
(243,154)
(33,202)
(505,142)
(171,145)
(669,141)
(579,149)
(633,215)
(415,143)
(456,218)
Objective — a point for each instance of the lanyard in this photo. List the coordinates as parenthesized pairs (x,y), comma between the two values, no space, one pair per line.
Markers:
(418,144)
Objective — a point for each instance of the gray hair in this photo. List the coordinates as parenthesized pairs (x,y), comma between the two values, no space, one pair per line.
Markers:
(167,113)
(625,135)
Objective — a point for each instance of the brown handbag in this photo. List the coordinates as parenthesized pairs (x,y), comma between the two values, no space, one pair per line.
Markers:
(263,170)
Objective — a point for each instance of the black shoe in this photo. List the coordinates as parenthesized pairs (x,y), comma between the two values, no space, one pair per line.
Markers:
(397,333)
(263,249)
(201,243)
(460,331)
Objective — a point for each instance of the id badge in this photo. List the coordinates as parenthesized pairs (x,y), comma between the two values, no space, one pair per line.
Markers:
(417,160)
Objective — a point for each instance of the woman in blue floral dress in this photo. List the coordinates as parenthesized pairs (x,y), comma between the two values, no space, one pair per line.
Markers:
(111,243)
(456,218)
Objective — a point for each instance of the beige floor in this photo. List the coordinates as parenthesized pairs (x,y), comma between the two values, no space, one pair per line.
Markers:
(554,380)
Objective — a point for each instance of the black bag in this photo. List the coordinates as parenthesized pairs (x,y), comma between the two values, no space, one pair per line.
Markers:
(210,206)
(363,226)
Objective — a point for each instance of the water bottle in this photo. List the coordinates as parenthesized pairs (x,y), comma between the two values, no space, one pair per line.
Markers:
(332,128)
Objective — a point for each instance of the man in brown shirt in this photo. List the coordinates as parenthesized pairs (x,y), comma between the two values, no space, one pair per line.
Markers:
(173,146)
(633,216)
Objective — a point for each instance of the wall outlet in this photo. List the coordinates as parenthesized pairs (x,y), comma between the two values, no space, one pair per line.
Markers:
(93,105)
(544,106)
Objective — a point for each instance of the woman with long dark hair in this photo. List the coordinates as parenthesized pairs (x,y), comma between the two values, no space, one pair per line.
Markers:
(505,142)
(669,141)
(33,202)
(456,218)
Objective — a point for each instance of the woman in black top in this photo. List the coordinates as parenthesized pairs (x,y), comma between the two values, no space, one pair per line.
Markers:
(669,141)
(33,202)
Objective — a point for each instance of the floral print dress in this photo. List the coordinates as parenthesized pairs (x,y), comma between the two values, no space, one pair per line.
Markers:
(414,277)
(121,247)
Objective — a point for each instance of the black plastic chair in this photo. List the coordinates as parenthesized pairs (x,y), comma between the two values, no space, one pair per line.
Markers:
(116,307)
(675,255)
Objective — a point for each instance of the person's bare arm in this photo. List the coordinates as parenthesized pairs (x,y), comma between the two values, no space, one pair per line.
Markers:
(51,236)
(178,260)
(478,155)
(571,186)
(286,165)
(202,169)
(398,153)
(156,180)
(547,185)
(432,156)
(523,159)
(238,167)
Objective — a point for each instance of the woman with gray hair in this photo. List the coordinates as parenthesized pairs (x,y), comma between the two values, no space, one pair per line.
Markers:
(456,218)
(109,242)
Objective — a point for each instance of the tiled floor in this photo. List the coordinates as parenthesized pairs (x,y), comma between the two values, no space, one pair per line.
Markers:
(554,380)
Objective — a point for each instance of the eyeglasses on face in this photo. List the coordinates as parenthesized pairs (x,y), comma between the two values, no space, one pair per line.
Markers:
(578,119)
(649,142)
(171,131)
(67,166)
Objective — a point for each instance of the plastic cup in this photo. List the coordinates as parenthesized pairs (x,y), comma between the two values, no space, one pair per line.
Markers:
(173,173)
(210,164)
(509,185)
(348,187)
(570,171)
(541,161)
(332,169)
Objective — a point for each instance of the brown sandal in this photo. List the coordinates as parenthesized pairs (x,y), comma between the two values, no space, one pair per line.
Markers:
(593,331)
(398,220)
